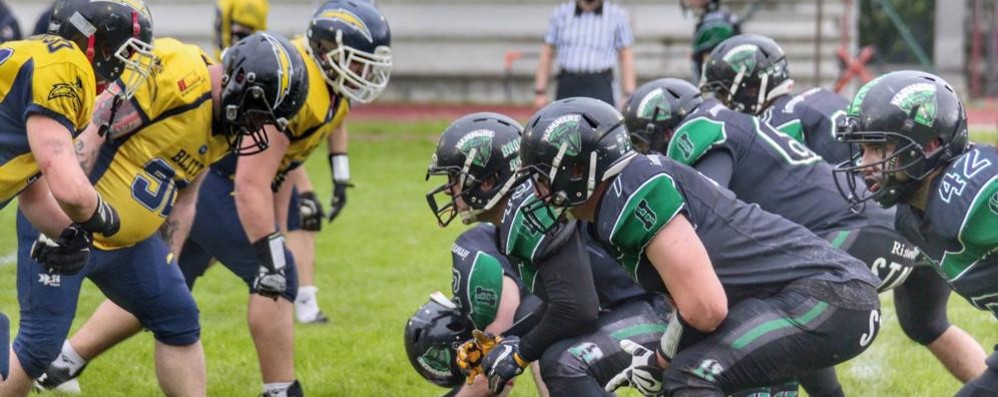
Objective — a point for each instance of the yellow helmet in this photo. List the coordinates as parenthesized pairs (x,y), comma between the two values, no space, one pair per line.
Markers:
(235,19)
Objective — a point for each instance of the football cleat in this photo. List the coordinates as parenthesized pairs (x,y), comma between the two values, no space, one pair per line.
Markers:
(319,318)
(60,379)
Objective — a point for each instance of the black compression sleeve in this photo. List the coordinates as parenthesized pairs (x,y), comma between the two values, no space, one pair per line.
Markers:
(572,304)
(717,165)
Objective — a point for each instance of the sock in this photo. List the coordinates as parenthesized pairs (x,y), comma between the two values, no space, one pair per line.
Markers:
(276,389)
(306,306)
(69,358)
(4,345)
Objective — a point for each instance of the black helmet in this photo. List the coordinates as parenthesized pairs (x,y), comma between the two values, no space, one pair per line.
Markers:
(264,82)
(568,148)
(909,109)
(115,35)
(655,109)
(473,149)
(351,42)
(747,71)
(432,337)
(236,19)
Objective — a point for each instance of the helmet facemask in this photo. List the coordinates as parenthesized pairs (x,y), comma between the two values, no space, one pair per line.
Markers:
(248,117)
(137,58)
(359,75)
(476,198)
(907,158)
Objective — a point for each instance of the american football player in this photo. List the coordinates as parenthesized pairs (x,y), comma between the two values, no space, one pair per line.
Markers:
(190,114)
(50,82)
(478,156)
(764,298)
(915,155)
(766,167)
(811,119)
(236,19)
(714,25)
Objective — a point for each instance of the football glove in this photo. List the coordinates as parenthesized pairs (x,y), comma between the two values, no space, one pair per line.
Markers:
(104,220)
(503,363)
(339,164)
(643,373)
(270,280)
(471,353)
(311,212)
(67,255)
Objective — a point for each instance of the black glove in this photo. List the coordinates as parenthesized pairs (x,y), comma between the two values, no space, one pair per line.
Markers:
(104,220)
(339,166)
(66,255)
(270,280)
(503,363)
(311,212)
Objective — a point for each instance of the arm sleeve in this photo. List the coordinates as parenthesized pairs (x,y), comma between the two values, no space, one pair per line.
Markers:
(572,304)
(718,165)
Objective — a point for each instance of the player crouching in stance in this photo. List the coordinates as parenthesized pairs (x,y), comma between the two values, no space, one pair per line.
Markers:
(189,114)
(914,154)
(499,264)
(761,300)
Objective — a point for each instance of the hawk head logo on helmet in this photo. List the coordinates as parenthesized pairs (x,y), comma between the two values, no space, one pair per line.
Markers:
(565,131)
(920,95)
(478,144)
(348,18)
(742,58)
(654,106)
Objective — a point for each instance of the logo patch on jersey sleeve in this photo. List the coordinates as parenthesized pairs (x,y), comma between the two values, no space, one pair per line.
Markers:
(73,93)
(993,203)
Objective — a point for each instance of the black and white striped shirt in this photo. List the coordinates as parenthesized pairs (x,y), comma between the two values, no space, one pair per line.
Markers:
(587,42)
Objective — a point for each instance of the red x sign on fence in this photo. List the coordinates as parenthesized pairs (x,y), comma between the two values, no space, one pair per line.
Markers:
(855,67)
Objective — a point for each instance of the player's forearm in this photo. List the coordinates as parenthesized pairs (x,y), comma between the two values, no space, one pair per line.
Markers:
(255,205)
(86,147)
(52,147)
(41,209)
(178,226)
(339,139)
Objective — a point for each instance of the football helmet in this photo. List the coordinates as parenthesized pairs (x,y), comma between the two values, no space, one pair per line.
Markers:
(908,109)
(713,28)
(263,82)
(475,148)
(236,19)
(569,147)
(351,42)
(746,72)
(432,337)
(115,35)
(656,109)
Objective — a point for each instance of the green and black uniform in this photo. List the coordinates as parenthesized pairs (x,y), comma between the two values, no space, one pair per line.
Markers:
(958,232)
(811,118)
(577,364)
(766,167)
(795,303)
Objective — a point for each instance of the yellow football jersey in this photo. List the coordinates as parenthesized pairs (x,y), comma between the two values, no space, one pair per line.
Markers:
(139,174)
(323,111)
(45,75)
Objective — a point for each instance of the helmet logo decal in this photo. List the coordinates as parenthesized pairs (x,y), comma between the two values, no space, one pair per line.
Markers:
(742,57)
(565,130)
(922,95)
(284,72)
(654,100)
(350,19)
(480,140)
(136,5)
(436,361)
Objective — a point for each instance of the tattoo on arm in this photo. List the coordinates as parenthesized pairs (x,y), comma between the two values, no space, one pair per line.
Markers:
(167,230)
(126,117)
(81,156)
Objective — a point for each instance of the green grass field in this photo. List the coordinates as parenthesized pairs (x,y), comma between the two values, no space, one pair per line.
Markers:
(376,264)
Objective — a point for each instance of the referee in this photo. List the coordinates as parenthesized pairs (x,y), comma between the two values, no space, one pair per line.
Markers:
(589,38)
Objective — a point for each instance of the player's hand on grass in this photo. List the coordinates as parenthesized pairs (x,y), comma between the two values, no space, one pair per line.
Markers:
(643,374)
(311,212)
(67,254)
(503,363)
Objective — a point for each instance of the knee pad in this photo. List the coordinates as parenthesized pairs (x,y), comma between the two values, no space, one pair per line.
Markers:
(35,356)
(565,359)
(181,328)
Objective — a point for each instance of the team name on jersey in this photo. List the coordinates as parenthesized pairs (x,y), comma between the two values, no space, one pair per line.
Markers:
(902,250)
(460,251)
(188,162)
